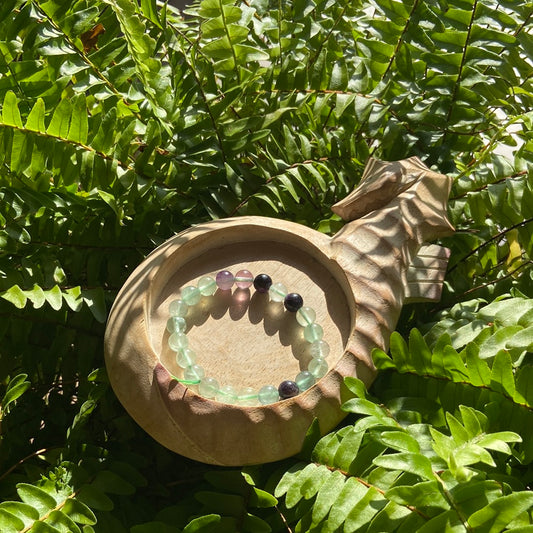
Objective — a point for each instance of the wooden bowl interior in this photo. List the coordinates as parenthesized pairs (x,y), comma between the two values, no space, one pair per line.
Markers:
(239,336)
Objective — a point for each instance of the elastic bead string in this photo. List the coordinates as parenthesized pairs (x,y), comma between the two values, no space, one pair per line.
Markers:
(208,386)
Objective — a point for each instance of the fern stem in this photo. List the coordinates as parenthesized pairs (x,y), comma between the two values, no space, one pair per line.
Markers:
(327,37)
(452,503)
(226,29)
(275,176)
(498,280)
(76,144)
(400,39)
(520,174)
(457,83)
(494,238)
(370,486)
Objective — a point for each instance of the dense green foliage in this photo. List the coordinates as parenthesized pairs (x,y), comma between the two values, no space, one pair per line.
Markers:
(122,123)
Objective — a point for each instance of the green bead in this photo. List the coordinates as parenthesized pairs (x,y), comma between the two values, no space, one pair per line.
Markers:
(177,341)
(319,349)
(194,373)
(268,394)
(185,357)
(318,367)
(227,394)
(207,286)
(208,387)
(191,295)
(313,332)
(176,324)
(305,316)
(247,396)
(277,292)
(178,308)
(305,379)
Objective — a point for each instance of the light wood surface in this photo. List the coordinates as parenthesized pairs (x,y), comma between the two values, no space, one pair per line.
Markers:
(356,281)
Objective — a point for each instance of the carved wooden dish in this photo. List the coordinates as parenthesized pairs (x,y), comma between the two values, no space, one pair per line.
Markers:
(356,281)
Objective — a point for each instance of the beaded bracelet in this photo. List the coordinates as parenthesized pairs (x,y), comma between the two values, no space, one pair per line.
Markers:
(209,387)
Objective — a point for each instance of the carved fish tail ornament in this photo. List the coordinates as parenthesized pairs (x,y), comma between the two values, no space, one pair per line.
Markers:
(396,209)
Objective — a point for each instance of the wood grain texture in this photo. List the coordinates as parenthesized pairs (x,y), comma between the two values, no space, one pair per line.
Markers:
(356,281)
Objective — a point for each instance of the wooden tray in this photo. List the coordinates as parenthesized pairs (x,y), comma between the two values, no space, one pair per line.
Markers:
(355,281)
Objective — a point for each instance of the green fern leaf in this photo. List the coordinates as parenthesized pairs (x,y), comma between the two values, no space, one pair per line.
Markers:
(60,124)
(500,512)
(10,110)
(35,120)
(79,125)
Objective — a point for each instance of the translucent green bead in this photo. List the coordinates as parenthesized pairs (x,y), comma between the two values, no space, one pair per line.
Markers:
(194,373)
(208,387)
(176,324)
(178,308)
(247,396)
(177,341)
(313,332)
(319,349)
(318,367)
(305,316)
(191,295)
(305,379)
(277,292)
(207,286)
(185,357)
(268,394)
(227,394)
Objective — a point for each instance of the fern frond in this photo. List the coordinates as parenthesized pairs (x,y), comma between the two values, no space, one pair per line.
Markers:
(408,478)
(503,324)
(60,500)
(453,381)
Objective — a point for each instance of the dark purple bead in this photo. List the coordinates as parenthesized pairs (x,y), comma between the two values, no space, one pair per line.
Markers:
(293,301)
(288,389)
(262,282)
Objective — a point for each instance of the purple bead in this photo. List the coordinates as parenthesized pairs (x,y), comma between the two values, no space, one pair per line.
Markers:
(262,283)
(293,301)
(288,389)
(244,279)
(225,280)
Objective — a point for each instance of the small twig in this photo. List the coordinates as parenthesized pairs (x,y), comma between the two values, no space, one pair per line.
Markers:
(28,457)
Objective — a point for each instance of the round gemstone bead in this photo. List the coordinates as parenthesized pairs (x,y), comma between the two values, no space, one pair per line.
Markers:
(268,394)
(304,380)
(247,396)
(191,295)
(244,279)
(208,387)
(207,286)
(227,394)
(313,332)
(177,341)
(277,292)
(194,373)
(178,308)
(225,280)
(305,316)
(185,357)
(293,301)
(288,389)
(176,324)
(319,349)
(262,283)
(318,367)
